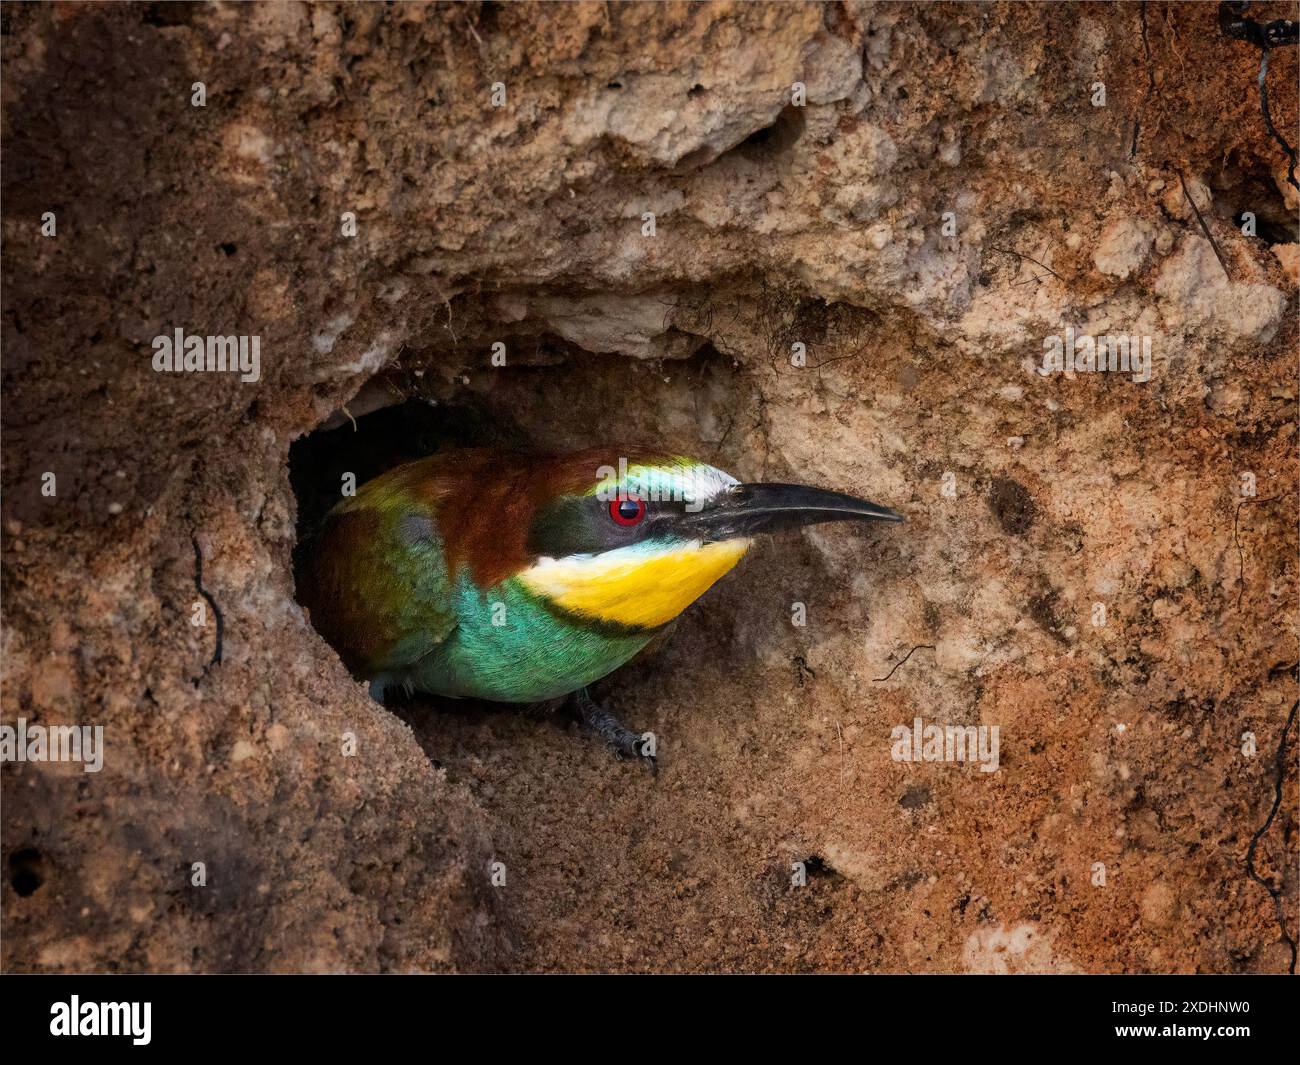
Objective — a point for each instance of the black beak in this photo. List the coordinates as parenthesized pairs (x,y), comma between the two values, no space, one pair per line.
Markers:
(747,509)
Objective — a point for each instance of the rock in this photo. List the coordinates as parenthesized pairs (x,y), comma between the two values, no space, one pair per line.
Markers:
(1199,295)
(1020,949)
(1289,256)
(1175,198)
(1124,247)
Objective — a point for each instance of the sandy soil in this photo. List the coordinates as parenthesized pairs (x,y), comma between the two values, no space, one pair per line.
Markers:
(949,195)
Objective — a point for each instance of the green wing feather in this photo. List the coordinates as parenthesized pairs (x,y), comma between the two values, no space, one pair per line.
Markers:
(376,578)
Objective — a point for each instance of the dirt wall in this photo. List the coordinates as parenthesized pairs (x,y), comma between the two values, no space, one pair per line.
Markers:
(919,198)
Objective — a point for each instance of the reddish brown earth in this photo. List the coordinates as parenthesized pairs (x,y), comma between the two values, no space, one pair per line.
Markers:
(822,225)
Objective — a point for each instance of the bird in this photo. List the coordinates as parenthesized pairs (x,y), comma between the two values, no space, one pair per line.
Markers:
(525,577)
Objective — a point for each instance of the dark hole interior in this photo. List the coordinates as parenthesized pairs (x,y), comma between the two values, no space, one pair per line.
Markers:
(776,139)
(377,442)
(25,871)
(816,866)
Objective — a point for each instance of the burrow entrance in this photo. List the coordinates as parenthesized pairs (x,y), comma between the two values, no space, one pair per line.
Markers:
(560,398)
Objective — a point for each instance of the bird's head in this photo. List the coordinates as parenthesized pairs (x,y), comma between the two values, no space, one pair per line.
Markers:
(630,541)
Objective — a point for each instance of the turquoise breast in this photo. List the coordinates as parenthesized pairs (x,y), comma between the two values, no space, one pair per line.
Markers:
(509,647)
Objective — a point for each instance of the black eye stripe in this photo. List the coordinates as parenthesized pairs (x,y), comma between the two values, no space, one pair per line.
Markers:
(585,525)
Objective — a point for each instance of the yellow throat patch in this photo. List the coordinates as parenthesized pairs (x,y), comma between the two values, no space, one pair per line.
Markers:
(631,585)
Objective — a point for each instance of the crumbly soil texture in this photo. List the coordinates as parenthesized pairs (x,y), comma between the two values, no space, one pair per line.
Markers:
(834,243)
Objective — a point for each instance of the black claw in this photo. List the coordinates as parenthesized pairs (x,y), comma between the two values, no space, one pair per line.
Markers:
(624,741)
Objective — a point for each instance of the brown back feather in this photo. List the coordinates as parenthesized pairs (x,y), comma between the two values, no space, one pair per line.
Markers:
(486,514)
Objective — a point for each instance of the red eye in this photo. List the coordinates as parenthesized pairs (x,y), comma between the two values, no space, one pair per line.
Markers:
(626,510)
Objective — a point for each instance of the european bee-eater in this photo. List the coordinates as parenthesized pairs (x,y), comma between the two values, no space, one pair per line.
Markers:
(523,579)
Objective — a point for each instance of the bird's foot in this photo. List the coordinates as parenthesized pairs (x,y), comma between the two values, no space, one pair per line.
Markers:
(626,742)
